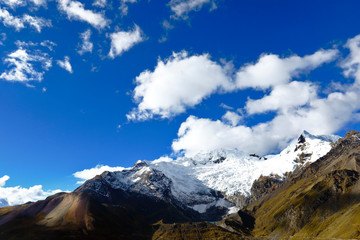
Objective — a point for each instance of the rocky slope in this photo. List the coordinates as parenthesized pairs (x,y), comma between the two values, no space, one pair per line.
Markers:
(320,201)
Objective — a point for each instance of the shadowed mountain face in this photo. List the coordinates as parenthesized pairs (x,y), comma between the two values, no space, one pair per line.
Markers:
(318,199)
(82,215)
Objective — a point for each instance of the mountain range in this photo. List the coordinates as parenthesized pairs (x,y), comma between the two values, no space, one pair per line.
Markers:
(310,189)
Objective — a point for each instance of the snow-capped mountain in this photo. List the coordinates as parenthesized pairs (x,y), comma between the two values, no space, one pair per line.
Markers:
(211,181)
(171,199)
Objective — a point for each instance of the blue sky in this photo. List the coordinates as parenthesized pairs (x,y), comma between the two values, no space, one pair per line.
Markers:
(84,83)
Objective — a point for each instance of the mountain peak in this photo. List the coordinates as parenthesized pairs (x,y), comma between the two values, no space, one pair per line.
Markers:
(352,134)
(328,138)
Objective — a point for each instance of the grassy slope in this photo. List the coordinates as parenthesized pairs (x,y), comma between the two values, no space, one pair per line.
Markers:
(322,202)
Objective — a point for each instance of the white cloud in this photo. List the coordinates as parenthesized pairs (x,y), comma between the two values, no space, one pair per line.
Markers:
(19,195)
(21,3)
(200,134)
(3,180)
(13,3)
(39,2)
(181,8)
(352,62)
(2,38)
(223,105)
(177,83)
(271,70)
(48,44)
(100,3)
(65,64)
(19,22)
(10,21)
(23,44)
(36,22)
(167,25)
(26,65)
(75,10)
(183,81)
(122,41)
(283,97)
(231,118)
(92,172)
(86,45)
(124,6)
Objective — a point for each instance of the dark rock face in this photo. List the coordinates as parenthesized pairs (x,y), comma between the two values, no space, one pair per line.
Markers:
(202,230)
(239,199)
(263,186)
(301,139)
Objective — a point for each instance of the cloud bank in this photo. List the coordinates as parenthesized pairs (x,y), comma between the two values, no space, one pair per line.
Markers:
(18,195)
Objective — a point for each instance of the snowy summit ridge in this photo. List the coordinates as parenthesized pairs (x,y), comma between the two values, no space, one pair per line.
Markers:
(211,179)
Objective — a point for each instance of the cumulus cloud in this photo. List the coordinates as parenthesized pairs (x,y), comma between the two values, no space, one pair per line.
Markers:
(26,65)
(202,135)
(181,8)
(271,70)
(92,172)
(19,23)
(76,10)
(65,64)
(3,180)
(86,45)
(177,83)
(19,195)
(122,41)
(231,118)
(283,97)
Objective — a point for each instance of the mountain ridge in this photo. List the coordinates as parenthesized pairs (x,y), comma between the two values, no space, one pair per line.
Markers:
(143,202)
